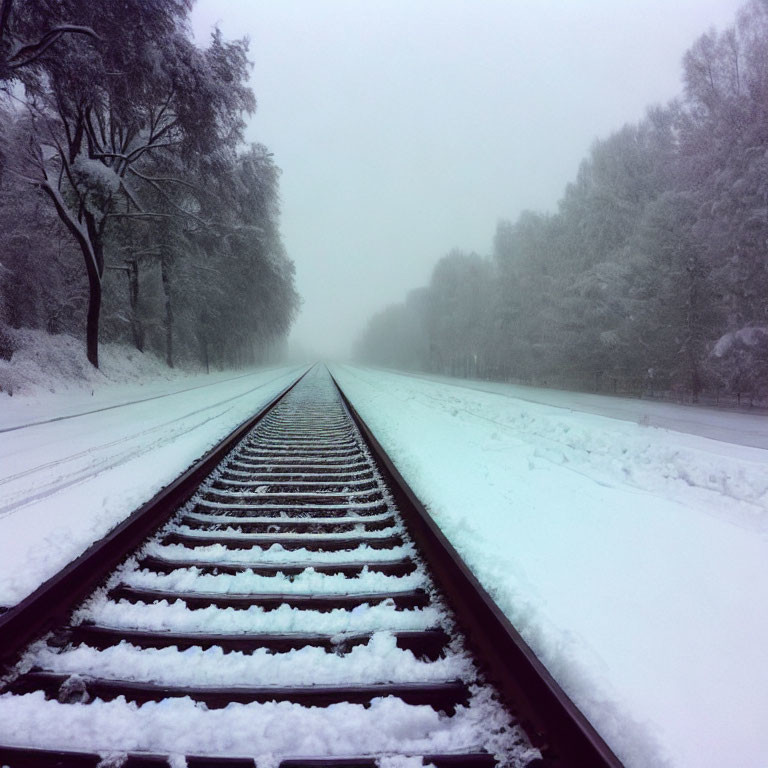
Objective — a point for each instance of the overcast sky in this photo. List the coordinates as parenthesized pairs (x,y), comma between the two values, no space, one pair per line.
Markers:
(405,128)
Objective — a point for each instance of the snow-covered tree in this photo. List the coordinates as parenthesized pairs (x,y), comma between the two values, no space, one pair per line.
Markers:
(131,136)
(100,113)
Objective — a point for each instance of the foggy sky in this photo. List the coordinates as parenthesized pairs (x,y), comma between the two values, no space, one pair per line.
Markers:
(405,128)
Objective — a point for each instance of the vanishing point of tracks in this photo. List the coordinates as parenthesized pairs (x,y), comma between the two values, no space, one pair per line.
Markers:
(287,602)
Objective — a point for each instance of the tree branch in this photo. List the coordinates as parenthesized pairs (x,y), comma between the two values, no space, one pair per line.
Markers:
(170,179)
(131,196)
(35,50)
(137,153)
(143,215)
(167,198)
(75,227)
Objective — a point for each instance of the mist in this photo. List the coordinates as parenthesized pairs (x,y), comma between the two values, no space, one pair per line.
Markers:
(404,130)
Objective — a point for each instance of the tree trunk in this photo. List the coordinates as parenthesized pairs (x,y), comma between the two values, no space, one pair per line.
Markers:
(92,318)
(95,286)
(93,253)
(5,15)
(693,331)
(137,327)
(166,278)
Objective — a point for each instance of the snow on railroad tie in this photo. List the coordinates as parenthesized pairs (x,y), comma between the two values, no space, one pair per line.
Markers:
(175,616)
(277,483)
(377,661)
(236,533)
(263,731)
(276,554)
(309,581)
(288,496)
(284,518)
(345,466)
(351,506)
(295,618)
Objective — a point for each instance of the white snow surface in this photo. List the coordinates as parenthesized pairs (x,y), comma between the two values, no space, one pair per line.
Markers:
(632,558)
(66,482)
(730,426)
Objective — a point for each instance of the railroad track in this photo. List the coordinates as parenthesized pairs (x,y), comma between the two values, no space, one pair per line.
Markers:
(299,609)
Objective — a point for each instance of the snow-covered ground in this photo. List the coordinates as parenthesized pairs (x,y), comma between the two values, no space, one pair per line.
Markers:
(633,558)
(84,462)
(744,427)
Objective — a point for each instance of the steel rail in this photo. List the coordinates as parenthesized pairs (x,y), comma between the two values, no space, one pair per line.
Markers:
(50,603)
(553,722)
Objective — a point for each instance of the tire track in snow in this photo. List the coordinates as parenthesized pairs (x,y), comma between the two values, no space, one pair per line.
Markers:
(97,467)
(19,500)
(121,405)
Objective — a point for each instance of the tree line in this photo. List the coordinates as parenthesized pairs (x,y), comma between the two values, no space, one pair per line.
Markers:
(653,272)
(130,207)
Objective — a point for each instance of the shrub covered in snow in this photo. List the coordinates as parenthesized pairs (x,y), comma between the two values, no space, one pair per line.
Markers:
(740,359)
(35,361)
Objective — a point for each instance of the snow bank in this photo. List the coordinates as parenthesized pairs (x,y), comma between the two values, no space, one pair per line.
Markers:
(610,452)
(44,363)
(738,427)
(634,560)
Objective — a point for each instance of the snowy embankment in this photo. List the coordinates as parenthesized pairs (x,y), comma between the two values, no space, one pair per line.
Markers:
(743,427)
(69,477)
(49,377)
(633,559)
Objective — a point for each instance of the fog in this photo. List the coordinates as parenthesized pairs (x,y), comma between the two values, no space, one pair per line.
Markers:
(405,129)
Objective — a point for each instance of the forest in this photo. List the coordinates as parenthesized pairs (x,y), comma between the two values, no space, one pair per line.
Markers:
(131,208)
(652,274)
